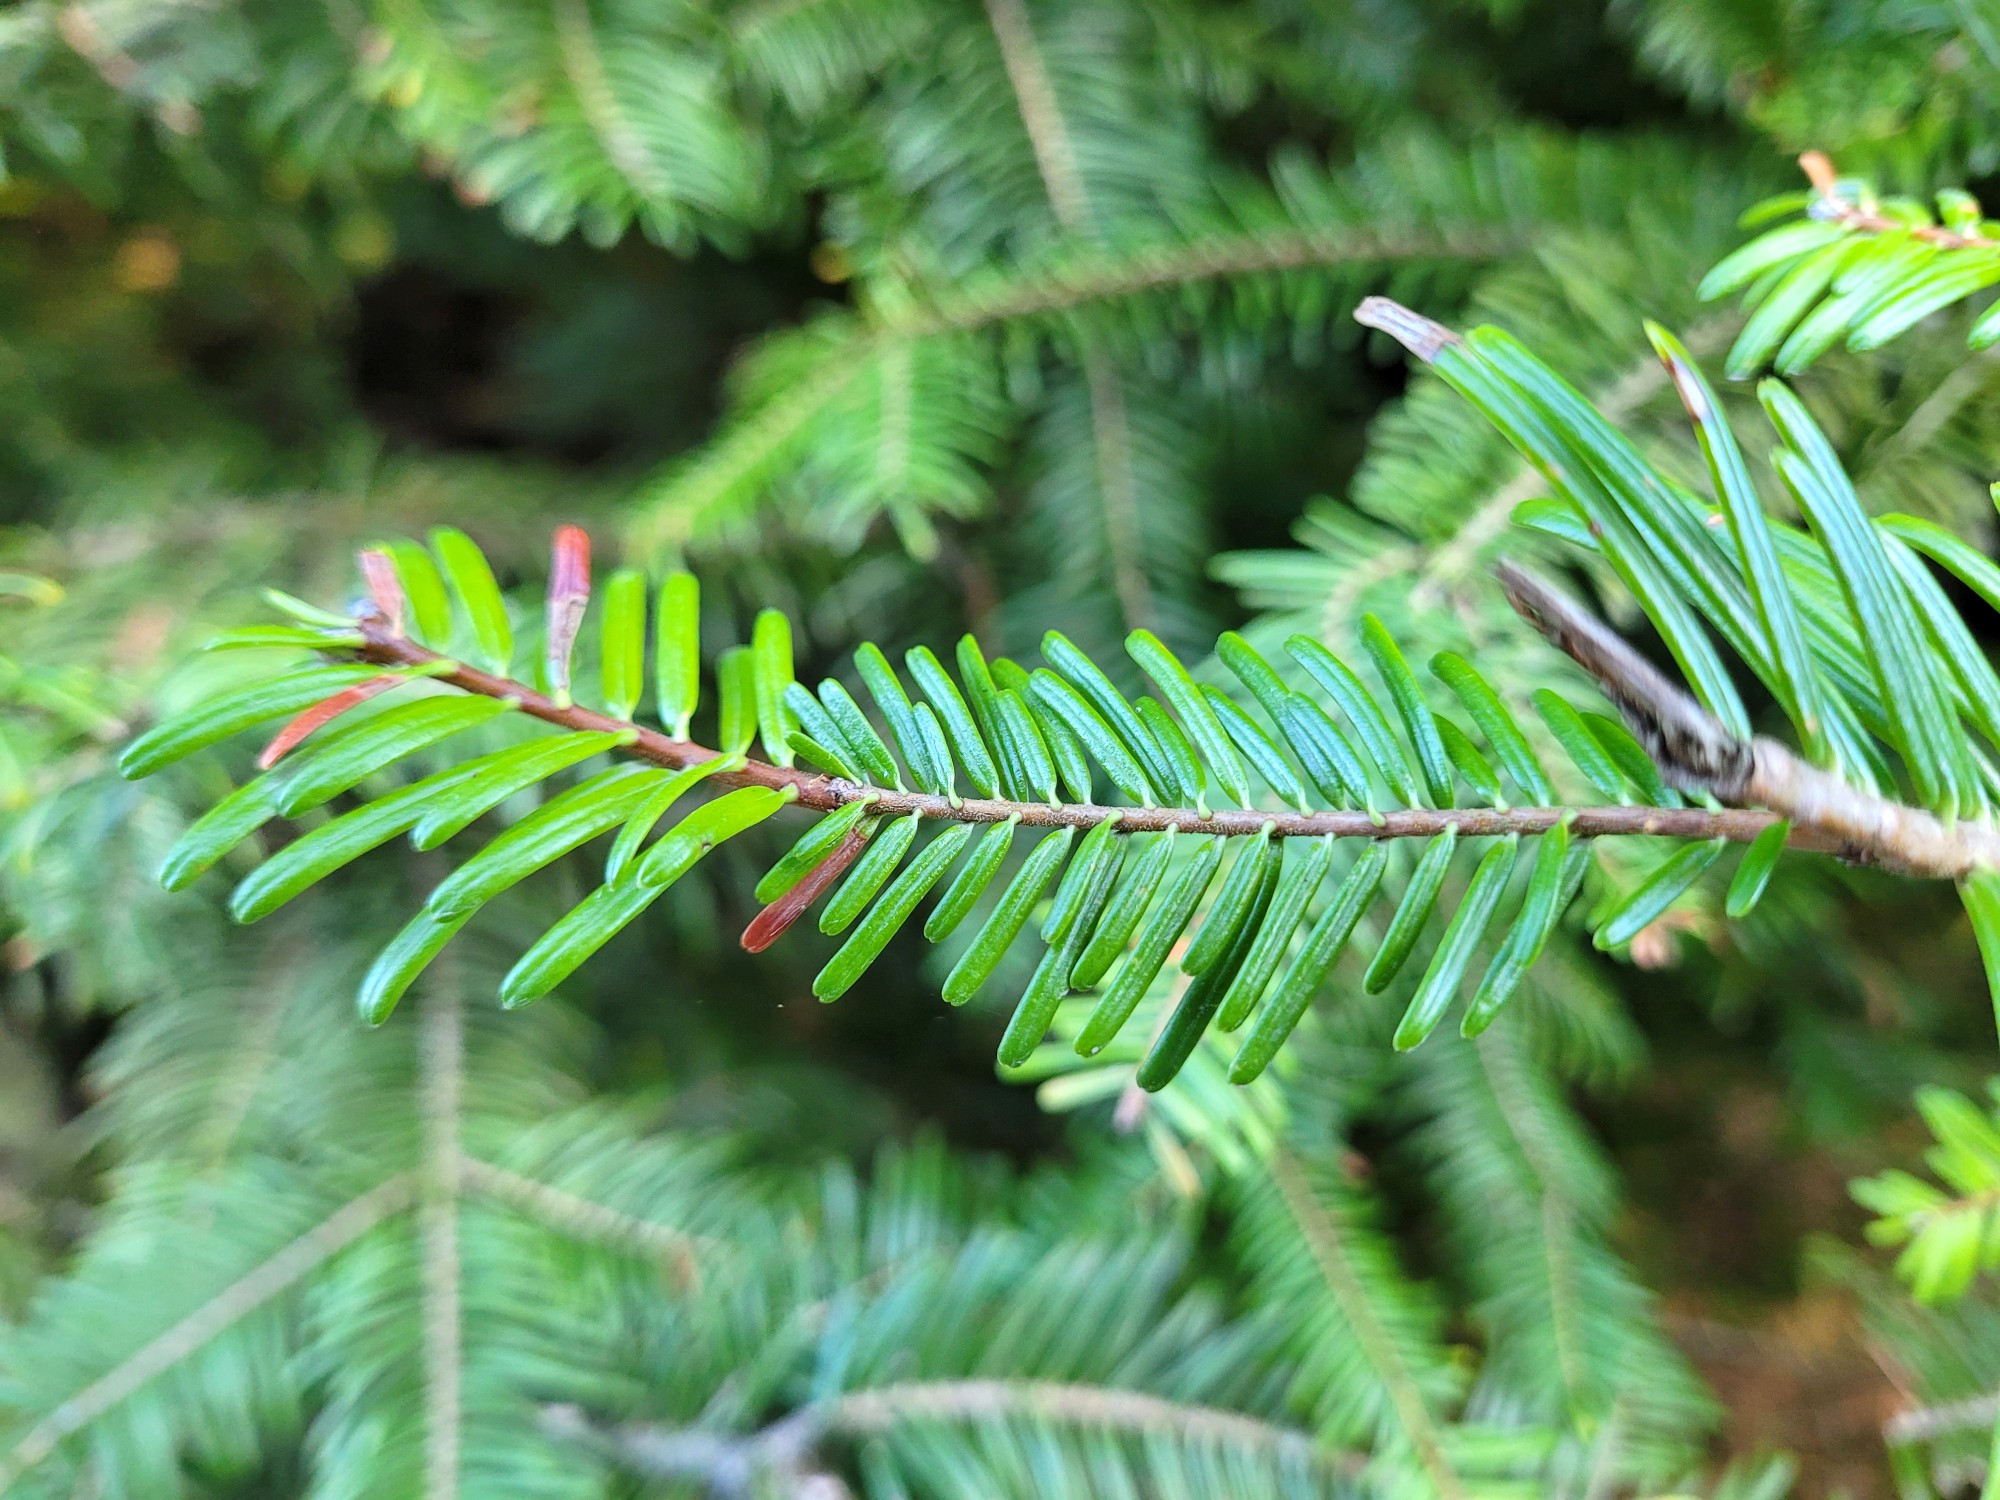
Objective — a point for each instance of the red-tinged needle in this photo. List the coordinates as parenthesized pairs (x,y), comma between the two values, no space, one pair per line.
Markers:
(769,924)
(569,596)
(322,712)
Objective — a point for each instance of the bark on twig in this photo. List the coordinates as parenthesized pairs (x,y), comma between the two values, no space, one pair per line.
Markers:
(824,793)
(1695,751)
(1864,218)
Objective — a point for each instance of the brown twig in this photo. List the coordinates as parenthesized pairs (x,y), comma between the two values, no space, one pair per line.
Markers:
(824,793)
(1862,217)
(1694,750)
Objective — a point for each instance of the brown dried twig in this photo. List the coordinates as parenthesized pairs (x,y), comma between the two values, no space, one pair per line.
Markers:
(1695,751)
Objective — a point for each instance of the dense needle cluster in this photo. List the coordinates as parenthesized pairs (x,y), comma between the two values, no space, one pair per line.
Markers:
(999,763)
(1842,624)
(1853,267)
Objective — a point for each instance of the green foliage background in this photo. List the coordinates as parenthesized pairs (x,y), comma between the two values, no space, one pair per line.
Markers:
(912,317)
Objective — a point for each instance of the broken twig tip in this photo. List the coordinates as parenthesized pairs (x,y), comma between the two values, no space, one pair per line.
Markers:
(1695,751)
(1692,748)
(1422,336)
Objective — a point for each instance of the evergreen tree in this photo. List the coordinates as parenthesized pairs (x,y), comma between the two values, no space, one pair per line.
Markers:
(1357,928)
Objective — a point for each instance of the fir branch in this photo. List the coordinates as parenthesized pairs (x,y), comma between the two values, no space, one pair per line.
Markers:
(1343,599)
(892,453)
(662,1452)
(1041,111)
(1111,433)
(1691,744)
(1917,432)
(1178,746)
(442,1081)
(234,1093)
(1110,274)
(1865,218)
(1947,1227)
(238,1300)
(1501,1070)
(1073,1404)
(742,452)
(581,1218)
(824,793)
(1324,1238)
(1857,268)
(583,65)
(722,1463)
(1693,748)
(674,507)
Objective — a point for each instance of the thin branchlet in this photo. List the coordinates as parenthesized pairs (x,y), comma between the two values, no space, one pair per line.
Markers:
(824,793)
(1695,751)
(786,1450)
(1691,747)
(1829,206)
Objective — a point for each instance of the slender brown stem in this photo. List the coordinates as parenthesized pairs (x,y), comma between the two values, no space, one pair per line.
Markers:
(1834,209)
(825,793)
(1695,750)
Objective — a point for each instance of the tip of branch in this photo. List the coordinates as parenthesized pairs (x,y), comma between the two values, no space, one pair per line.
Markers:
(1818,167)
(385,587)
(1422,336)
